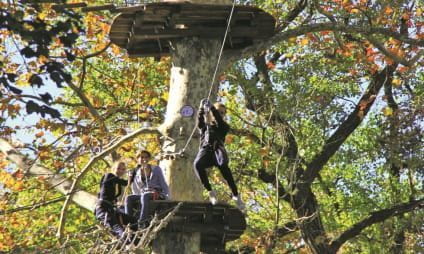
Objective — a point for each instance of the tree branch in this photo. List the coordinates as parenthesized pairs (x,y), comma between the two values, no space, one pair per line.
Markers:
(82,198)
(388,92)
(349,125)
(84,63)
(262,73)
(374,218)
(387,53)
(286,229)
(33,206)
(300,6)
(318,27)
(269,178)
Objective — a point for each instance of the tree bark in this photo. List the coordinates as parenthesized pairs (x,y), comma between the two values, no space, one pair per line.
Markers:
(309,219)
(193,65)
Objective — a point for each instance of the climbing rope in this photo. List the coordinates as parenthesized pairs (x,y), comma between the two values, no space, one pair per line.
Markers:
(222,49)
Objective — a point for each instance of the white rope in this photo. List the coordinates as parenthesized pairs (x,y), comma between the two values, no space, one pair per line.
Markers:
(222,48)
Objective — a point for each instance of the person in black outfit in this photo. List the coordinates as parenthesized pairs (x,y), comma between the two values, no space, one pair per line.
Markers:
(213,130)
(106,211)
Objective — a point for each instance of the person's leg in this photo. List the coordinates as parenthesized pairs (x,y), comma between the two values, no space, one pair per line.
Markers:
(228,176)
(144,201)
(108,217)
(204,160)
(131,203)
(129,220)
(226,173)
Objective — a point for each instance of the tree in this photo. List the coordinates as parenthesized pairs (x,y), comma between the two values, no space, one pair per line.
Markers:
(326,116)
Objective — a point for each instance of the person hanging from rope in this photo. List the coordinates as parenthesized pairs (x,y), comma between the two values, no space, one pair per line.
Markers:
(106,210)
(147,183)
(213,130)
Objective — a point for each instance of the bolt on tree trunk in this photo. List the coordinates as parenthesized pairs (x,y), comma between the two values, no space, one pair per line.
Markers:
(193,64)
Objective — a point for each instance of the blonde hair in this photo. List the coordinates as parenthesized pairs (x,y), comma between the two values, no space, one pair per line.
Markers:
(116,165)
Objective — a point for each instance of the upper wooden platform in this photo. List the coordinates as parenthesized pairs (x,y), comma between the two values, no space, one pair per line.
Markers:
(145,30)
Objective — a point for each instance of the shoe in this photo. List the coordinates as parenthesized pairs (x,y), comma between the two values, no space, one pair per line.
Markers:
(240,204)
(212,197)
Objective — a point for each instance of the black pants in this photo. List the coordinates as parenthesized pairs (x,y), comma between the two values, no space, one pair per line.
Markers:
(208,157)
(109,216)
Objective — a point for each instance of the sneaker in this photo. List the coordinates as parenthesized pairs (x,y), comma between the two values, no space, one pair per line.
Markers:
(240,205)
(212,197)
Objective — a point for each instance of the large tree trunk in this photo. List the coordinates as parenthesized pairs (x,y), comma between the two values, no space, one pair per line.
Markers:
(309,219)
(193,65)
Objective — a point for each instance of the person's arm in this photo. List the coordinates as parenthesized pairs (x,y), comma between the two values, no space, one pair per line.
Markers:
(221,123)
(107,187)
(135,188)
(123,182)
(201,118)
(162,182)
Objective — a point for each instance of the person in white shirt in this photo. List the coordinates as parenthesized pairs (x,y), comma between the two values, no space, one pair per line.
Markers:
(147,183)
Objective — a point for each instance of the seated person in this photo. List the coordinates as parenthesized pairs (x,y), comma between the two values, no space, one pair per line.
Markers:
(106,211)
(147,183)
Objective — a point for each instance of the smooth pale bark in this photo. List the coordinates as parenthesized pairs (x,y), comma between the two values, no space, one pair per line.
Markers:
(193,64)
(82,198)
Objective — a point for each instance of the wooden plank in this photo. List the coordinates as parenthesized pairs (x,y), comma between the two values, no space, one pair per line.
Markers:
(122,22)
(119,35)
(217,8)
(223,13)
(153,52)
(204,32)
(122,42)
(191,228)
(149,54)
(153,18)
(160,11)
(131,9)
(125,16)
(99,8)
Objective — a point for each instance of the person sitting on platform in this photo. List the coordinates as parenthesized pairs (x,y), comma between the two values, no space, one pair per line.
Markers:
(147,183)
(106,210)
(213,130)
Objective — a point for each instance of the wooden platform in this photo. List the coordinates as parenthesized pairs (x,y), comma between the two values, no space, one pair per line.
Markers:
(146,30)
(217,224)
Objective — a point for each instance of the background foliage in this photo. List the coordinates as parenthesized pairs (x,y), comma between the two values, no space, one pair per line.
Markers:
(284,105)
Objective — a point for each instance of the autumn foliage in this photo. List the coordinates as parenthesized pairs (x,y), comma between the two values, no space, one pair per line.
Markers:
(327,124)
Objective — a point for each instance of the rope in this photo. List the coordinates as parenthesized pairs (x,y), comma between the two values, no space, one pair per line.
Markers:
(222,48)
(214,74)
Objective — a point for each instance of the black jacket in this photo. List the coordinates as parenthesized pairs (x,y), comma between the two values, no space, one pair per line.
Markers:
(212,135)
(110,188)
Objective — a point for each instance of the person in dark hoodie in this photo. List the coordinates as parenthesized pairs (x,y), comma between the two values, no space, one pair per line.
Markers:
(213,130)
(106,211)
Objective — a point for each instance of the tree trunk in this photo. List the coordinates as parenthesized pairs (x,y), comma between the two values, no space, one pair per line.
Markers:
(313,232)
(193,65)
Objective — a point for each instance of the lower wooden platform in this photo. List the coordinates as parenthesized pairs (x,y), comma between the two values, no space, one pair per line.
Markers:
(217,224)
